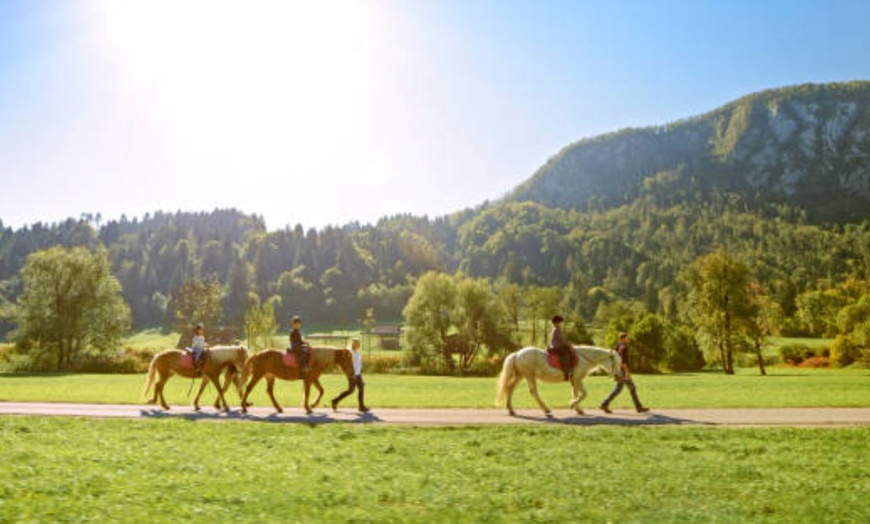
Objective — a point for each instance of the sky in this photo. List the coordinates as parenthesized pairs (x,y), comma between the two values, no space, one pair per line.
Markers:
(330,112)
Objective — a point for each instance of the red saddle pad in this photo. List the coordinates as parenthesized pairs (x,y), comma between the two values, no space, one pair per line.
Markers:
(290,360)
(185,361)
(553,359)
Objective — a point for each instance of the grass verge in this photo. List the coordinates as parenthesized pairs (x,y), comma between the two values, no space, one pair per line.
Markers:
(60,469)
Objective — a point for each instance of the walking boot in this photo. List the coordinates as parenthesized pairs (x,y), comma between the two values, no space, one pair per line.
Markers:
(605,408)
(641,409)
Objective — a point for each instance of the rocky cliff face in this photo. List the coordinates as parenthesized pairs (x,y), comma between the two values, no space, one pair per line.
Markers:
(807,146)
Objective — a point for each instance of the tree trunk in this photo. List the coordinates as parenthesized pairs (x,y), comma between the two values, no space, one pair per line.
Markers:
(760,357)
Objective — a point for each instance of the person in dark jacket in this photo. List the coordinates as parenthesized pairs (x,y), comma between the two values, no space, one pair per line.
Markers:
(299,347)
(622,349)
(561,347)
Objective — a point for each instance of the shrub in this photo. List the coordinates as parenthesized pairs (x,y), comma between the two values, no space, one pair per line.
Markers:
(816,362)
(794,354)
(844,351)
(485,367)
(683,351)
(381,363)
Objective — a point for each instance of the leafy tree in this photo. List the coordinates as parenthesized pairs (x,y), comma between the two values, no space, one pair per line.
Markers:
(198,301)
(428,315)
(70,304)
(818,310)
(719,302)
(260,323)
(763,316)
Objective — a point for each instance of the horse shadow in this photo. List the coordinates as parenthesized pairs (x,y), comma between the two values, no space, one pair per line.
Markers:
(311,419)
(615,419)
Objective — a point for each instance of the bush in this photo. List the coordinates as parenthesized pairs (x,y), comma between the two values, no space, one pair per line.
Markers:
(844,351)
(794,354)
(381,363)
(683,351)
(816,362)
(485,367)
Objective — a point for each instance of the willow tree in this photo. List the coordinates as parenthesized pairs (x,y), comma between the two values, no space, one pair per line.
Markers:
(719,302)
(70,304)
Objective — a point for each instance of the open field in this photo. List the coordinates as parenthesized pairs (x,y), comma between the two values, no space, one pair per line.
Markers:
(171,470)
(783,387)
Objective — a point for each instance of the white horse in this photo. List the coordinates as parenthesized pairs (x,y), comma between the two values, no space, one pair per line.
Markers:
(531,364)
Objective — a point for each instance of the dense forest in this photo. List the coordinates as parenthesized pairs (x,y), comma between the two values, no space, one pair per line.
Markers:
(613,222)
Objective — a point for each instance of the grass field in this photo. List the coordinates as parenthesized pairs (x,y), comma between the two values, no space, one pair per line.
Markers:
(783,387)
(65,470)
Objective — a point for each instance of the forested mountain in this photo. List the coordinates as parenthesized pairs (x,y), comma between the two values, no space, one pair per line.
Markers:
(806,146)
(780,179)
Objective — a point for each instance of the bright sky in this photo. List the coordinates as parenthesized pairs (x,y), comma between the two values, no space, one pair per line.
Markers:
(327,112)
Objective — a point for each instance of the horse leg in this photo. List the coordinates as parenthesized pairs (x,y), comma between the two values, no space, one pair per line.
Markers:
(575,402)
(159,392)
(510,394)
(199,394)
(533,388)
(319,387)
(223,389)
(306,386)
(154,398)
(216,380)
(253,382)
(270,389)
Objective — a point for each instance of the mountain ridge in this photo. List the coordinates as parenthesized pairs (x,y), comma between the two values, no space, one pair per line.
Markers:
(806,145)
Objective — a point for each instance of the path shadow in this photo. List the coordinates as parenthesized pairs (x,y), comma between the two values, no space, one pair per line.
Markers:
(615,419)
(311,419)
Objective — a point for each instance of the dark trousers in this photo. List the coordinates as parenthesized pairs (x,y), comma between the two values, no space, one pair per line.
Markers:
(355,383)
(618,389)
(565,360)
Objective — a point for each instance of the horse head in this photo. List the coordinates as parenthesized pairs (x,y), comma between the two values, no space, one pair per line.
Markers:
(344,360)
(614,361)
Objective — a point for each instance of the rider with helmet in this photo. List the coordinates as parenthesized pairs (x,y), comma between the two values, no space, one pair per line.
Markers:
(299,347)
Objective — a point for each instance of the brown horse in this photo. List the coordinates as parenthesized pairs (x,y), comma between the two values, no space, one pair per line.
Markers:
(269,363)
(172,362)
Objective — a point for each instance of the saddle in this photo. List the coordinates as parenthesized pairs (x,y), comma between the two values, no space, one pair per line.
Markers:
(553,359)
(185,361)
(290,360)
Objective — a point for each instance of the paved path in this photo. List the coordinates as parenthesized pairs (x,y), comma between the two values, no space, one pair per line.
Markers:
(803,417)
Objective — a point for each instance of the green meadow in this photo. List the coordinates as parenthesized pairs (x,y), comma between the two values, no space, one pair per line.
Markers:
(75,470)
(782,387)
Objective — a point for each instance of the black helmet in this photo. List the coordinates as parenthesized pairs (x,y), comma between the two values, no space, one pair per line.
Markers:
(558,318)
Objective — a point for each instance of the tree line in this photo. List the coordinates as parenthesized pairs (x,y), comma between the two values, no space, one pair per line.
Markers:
(639,267)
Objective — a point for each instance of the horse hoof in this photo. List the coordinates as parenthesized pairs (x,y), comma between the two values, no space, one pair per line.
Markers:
(196,408)
(580,412)
(548,414)
(151,402)
(512,413)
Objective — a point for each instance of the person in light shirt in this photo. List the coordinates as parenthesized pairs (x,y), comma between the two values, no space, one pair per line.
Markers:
(357,380)
(197,346)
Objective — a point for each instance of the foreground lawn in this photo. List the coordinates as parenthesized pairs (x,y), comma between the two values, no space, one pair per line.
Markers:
(783,387)
(61,469)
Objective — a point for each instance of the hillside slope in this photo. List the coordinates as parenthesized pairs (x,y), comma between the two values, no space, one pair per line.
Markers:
(808,146)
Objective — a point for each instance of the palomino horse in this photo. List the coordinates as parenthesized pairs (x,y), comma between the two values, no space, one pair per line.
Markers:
(532,364)
(270,363)
(173,361)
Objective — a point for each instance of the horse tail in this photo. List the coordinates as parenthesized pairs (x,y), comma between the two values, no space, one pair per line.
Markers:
(506,379)
(152,373)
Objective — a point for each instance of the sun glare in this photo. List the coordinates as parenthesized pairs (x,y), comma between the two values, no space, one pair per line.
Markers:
(258,79)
